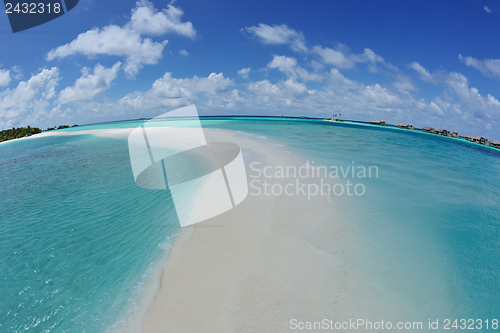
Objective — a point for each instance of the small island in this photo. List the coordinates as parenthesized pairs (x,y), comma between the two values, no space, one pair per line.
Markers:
(21,132)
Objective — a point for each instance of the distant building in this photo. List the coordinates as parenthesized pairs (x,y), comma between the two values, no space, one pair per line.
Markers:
(441,131)
(477,139)
(494,144)
(406,126)
(378,122)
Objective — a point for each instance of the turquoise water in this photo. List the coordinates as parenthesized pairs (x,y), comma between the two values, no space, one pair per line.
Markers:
(78,237)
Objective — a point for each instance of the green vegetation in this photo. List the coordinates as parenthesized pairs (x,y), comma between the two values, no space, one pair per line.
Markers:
(335,118)
(15,133)
(59,127)
(20,132)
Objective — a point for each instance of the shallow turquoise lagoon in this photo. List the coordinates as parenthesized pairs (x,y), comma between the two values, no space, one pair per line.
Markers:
(78,238)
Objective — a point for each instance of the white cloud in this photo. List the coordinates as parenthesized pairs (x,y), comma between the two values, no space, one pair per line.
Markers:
(485,108)
(4,77)
(423,73)
(338,81)
(89,85)
(340,95)
(284,93)
(172,92)
(113,40)
(29,100)
(489,67)
(244,72)
(127,41)
(368,56)
(342,58)
(288,66)
(183,53)
(458,107)
(16,73)
(284,64)
(172,87)
(333,57)
(404,83)
(487,9)
(279,34)
(147,20)
(437,110)
(297,89)
(316,65)
(306,76)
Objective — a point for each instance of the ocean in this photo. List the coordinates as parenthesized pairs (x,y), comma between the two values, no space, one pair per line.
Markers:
(81,245)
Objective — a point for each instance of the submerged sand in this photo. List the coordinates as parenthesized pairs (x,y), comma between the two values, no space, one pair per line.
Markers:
(271,259)
(262,264)
(267,261)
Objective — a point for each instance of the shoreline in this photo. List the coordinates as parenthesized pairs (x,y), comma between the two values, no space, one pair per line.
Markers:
(257,266)
(79,131)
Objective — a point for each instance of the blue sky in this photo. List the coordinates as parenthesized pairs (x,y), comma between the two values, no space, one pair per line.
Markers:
(430,63)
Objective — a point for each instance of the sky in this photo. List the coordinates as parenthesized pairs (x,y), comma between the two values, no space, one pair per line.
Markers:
(429,63)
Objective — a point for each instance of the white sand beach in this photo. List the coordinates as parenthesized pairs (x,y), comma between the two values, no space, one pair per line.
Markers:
(259,265)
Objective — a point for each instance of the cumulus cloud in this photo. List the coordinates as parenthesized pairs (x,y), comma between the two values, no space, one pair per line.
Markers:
(147,20)
(457,107)
(29,99)
(338,81)
(168,91)
(288,66)
(170,87)
(422,72)
(485,108)
(489,67)
(342,58)
(16,73)
(284,93)
(244,72)
(183,53)
(4,77)
(403,83)
(89,85)
(283,64)
(333,57)
(127,41)
(487,9)
(338,95)
(368,56)
(278,34)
